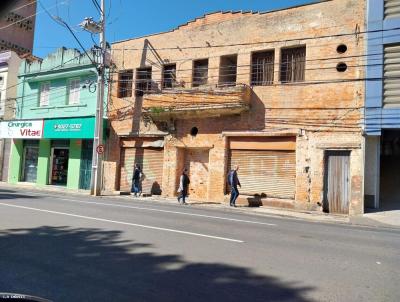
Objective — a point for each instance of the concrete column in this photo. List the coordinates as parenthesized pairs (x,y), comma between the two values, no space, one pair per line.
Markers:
(74,163)
(14,172)
(43,162)
(372,171)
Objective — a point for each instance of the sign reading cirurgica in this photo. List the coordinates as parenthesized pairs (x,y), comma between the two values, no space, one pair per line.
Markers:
(32,129)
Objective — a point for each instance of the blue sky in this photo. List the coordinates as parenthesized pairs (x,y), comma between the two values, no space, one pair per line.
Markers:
(131,18)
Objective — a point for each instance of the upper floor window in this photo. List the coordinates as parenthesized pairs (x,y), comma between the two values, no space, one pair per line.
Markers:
(169,76)
(293,64)
(392,8)
(125,79)
(262,68)
(228,70)
(44,94)
(143,80)
(391,79)
(200,72)
(74,91)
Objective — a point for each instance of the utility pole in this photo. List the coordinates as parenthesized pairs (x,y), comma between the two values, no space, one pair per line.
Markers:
(94,27)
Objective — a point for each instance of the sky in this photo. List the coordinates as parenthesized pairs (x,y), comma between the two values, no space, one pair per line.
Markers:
(130,18)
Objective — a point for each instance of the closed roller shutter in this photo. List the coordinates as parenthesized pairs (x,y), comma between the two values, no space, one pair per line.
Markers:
(272,173)
(392,8)
(151,162)
(391,82)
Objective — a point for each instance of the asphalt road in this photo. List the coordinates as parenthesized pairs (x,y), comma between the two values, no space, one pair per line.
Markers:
(76,248)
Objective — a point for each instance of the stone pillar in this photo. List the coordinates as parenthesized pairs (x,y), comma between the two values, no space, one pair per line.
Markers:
(16,157)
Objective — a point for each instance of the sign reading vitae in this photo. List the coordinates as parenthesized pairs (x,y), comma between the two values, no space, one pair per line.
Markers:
(21,129)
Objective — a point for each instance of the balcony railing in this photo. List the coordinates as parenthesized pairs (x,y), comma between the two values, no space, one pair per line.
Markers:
(205,101)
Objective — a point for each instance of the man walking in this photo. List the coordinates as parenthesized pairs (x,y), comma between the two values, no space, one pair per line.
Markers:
(137,174)
(233,181)
(183,186)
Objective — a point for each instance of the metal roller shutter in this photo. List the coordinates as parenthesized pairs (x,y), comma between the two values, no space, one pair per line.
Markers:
(151,162)
(272,173)
(391,82)
(392,8)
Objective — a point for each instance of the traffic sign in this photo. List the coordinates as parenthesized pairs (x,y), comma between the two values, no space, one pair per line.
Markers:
(100,149)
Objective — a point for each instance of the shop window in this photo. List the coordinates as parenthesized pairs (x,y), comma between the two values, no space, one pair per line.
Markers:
(74,91)
(44,94)
(125,78)
(30,160)
(200,72)
(262,68)
(293,64)
(143,81)
(228,70)
(169,76)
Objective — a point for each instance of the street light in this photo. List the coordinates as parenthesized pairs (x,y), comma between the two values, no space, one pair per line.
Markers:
(98,28)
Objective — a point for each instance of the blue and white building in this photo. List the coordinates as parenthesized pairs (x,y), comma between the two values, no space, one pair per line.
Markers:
(382,105)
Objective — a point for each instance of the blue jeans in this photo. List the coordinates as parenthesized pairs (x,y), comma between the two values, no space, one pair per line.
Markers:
(135,187)
(234,195)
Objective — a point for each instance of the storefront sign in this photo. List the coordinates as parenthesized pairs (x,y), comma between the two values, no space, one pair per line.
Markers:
(69,128)
(22,129)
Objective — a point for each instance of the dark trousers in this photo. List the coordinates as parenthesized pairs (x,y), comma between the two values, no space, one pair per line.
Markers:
(234,195)
(182,195)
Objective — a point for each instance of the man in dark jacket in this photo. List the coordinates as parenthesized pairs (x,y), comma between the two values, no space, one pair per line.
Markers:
(233,181)
(184,182)
(137,174)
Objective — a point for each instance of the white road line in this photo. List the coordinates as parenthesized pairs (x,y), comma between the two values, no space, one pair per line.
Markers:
(163,211)
(124,223)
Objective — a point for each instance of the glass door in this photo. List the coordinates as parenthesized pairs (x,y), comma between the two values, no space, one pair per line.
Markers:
(59,170)
(31,155)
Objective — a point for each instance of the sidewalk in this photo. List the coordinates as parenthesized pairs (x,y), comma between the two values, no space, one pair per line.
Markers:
(388,219)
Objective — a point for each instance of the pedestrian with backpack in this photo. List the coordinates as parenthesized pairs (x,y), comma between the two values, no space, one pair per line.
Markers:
(233,181)
(184,182)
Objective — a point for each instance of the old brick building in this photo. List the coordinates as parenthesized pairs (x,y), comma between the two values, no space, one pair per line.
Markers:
(278,93)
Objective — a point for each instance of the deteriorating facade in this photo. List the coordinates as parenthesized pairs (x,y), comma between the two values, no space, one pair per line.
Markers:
(279,93)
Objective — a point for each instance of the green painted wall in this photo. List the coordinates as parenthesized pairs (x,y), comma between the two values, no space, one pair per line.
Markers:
(14,171)
(74,163)
(43,162)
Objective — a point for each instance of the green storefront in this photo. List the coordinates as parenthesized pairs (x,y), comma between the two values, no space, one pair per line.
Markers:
(61,157)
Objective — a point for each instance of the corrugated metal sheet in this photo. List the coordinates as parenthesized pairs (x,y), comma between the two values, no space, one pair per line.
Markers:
(272,173)
(151,162)
(392,8)
(391,82)
(337,182)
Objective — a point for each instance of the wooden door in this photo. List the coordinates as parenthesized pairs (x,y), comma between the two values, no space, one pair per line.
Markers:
(337,174)
(196,161)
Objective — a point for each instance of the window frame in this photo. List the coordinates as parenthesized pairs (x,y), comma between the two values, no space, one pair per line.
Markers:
(292,78)
(263,82)
(147,83)
(202,83)
(41,94)
(70,81)
(173,81)
(128,90)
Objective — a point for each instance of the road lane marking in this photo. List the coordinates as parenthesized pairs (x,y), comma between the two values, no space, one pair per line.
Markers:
(162,211)
(124,223)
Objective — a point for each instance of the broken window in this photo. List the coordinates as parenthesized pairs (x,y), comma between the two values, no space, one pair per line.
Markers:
(169,76)
(293,64)
(143,80)
(200,72)
(262,68)
(228,70)
(125,83)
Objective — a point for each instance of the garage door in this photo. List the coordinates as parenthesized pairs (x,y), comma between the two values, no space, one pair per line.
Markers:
(151,161)
(265,172)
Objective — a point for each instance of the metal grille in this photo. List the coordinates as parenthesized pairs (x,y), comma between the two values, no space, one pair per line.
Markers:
(264,172)
(143,81)
(392,8)
(125,83)
(151,162)
(169,76)
(293,64)
(262,68)
(337,182)
(200,72)
(391,73)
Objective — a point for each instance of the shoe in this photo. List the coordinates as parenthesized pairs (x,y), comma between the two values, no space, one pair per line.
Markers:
(234,205)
